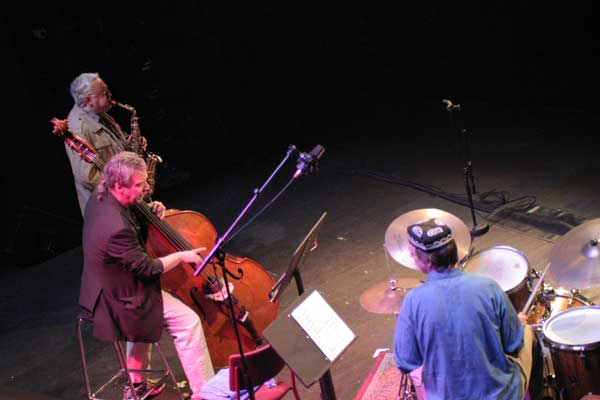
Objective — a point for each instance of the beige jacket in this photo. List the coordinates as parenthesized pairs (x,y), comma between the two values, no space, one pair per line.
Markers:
(101,132)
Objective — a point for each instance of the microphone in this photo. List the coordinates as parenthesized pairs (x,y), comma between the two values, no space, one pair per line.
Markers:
(449,105)
(308,161)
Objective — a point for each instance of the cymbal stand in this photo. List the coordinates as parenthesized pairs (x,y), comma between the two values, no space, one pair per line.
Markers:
(470,188)
(391,278)
(406,392)
(550,388)
(397,290)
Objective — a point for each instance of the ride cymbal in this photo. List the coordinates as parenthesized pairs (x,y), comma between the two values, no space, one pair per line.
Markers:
(382,299)
(396,237)
(575,258)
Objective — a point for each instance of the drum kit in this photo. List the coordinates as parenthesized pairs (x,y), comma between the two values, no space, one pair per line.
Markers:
(565,321)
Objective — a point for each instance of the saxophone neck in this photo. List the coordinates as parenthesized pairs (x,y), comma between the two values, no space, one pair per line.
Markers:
(124,106)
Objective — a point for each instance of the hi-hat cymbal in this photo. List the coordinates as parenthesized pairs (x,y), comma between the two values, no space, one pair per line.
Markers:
(381,299)
(396,237)
(575,258)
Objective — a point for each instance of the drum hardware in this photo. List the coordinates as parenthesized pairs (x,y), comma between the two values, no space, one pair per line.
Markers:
(535,289)
(551,301)
(550,389)
(535,274)
(406,390)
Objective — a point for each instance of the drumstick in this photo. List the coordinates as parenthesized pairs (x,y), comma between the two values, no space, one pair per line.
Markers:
(534,291)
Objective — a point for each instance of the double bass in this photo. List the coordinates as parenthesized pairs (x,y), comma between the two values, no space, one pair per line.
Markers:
(205,294)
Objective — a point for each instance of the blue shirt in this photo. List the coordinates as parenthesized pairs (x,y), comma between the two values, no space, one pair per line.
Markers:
(460,327)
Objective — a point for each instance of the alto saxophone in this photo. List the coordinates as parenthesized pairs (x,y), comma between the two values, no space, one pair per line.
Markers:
(138,147)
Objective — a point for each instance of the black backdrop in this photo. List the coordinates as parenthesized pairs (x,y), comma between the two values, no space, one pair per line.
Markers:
(218,78)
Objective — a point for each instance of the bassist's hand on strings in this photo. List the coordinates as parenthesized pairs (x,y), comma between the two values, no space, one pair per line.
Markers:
(158,208)
(187,256)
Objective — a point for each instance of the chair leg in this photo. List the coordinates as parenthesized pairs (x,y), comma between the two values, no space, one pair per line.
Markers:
(124,368)
(293,381)
(86,377)
(168,370)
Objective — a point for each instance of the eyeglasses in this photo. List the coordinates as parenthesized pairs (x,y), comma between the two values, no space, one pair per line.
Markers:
(105,92)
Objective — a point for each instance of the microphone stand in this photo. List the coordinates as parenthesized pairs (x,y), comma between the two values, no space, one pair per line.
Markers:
(461,132)
(218,253)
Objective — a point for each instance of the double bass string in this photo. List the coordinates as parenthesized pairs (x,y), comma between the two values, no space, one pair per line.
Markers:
(165,229)
(215,284)
(172,236)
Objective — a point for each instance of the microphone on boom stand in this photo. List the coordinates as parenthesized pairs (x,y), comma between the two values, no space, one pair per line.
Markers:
(309,162)
(477,229)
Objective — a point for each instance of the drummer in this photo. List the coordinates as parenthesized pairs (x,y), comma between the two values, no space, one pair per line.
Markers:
(458,335)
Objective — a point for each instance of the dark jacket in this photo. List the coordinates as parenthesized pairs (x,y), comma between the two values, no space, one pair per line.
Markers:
(120,283)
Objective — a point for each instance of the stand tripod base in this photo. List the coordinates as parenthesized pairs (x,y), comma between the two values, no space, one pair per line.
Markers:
(406,391)
(479,229)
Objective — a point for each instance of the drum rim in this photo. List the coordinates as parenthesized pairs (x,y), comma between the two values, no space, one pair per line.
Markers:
(519,285)
(569,347)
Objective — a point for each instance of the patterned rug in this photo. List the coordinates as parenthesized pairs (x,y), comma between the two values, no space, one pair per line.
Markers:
(383,381)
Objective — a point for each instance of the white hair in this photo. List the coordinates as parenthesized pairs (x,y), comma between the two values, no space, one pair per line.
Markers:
(80,86)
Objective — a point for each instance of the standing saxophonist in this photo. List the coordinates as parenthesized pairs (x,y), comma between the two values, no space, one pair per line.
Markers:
(90,120)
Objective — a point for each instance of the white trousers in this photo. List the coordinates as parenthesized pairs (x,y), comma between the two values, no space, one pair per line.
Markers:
(184,326)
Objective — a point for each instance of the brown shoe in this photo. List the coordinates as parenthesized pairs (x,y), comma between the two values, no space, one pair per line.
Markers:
(142,391)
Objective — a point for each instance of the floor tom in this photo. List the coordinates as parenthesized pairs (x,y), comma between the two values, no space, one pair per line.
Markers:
(574,340)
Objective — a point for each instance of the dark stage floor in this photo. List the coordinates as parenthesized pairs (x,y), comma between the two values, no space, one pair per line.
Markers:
(384,157)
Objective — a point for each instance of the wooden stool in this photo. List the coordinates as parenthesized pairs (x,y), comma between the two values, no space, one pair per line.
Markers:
(123,370)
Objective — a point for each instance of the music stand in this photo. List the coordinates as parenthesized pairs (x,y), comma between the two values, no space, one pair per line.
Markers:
(293,270)
(309,243)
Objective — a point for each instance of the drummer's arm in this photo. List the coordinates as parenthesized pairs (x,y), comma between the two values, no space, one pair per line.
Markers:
(523,319)
(511,325)
(407,354)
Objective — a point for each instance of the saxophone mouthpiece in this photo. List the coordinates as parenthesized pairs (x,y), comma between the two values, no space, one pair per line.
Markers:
(122,105)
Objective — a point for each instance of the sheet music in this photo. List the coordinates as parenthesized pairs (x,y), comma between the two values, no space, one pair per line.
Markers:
(323,325)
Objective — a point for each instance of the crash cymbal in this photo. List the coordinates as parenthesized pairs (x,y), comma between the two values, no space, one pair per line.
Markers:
(381,299)
(396,237)
(575,258)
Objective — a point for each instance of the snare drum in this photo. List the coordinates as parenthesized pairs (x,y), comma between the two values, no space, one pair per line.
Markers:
(574,339)
(508,267)
(552,302)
